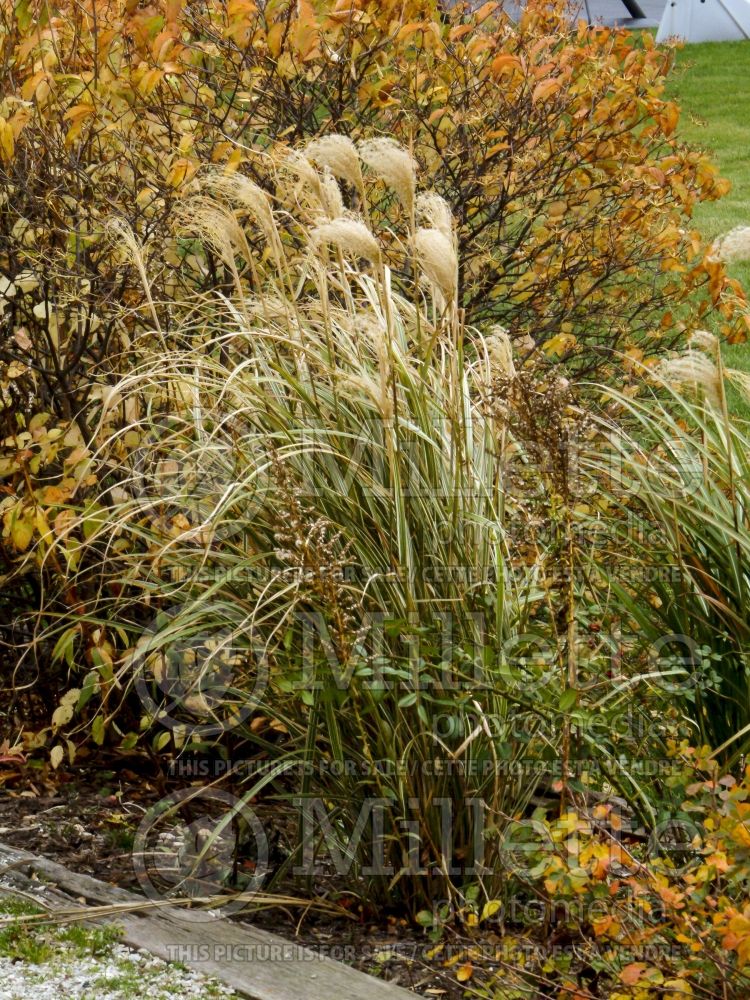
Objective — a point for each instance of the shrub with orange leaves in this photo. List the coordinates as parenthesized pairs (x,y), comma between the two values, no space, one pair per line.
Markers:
(628,913)
(554,145)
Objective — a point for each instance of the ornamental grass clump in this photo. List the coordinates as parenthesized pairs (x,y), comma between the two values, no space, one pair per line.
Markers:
(679,500)
(305,550)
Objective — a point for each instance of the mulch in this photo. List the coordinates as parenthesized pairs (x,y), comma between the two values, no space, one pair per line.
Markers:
(84,816)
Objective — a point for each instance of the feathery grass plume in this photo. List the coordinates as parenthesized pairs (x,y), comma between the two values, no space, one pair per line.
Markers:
(330,193)
(339,154)
(500,352)
(349,234)
(246,194)
(213,223)
(703,340)
(739,379)
(308,178)
(122,234)
(693,369)
(437,259)
(241,191)
(218,228)
(435,210)
(393,165)
(732,246)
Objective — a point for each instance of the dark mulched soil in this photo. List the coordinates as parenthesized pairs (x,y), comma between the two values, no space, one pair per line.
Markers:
(85,816)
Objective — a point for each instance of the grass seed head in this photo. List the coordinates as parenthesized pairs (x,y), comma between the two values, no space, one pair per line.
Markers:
(351,235)
(500,352)
(393,165)
(339,154)
(245,194)
(436,212)
(703,340)
(692,369)
(438,260)
(213,223)
(330,192)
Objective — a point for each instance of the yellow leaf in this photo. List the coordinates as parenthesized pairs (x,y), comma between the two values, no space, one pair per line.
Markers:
(7,144)
(679,986)
(560,344)
(485,11)
(21,532)
(275,38)
(62,715)
(182,170)
(56,755)
(150,80)
(458,32)
(465,972)
(42,525)
(78,111)
(410,29)
(77,116)
(97,730)
(741,835)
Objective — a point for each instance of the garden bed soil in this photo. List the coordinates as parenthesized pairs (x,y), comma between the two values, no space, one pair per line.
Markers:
(84,817)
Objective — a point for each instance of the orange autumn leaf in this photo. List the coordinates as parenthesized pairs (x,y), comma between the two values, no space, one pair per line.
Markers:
(545,89)
(465,972)
(503,63)
(632,973)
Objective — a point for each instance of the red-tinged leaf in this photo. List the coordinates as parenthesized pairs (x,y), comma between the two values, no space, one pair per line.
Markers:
(632,973)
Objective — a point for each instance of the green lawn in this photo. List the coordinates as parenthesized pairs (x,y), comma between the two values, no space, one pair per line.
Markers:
(712,85)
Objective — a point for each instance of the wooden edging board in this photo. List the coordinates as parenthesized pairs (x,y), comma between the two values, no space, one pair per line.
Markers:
(252,961)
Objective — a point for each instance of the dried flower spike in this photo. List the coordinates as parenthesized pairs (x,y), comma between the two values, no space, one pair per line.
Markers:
(436,212)
(437,259)
(339,154)
(393,165)
(349,234)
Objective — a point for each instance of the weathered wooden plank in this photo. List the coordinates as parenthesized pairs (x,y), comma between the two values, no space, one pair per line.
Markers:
(254,962)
